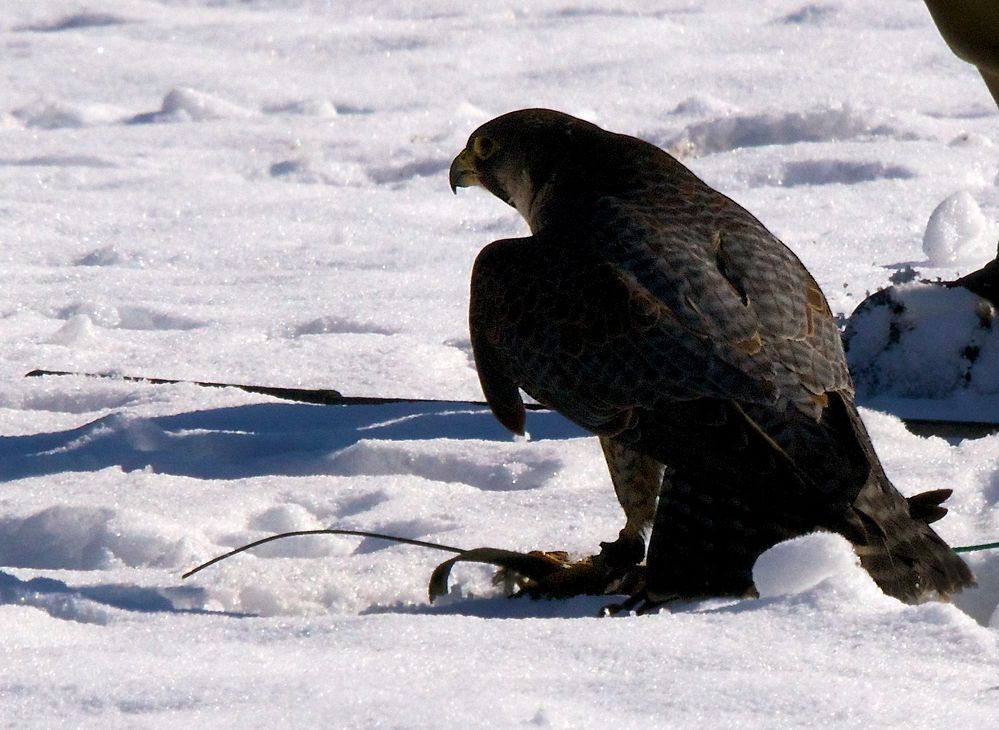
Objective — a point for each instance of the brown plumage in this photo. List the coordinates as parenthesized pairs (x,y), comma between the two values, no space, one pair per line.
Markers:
(663,317)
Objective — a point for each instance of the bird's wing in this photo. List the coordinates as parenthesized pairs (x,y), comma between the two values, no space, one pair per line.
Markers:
(491,315)
(727,279)
(652,302)
(576,334)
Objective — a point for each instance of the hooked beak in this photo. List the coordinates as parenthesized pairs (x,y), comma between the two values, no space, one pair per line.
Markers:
(463,173)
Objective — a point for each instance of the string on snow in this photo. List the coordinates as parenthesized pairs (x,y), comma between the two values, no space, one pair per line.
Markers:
(534,566)
(976,548)
(329,531)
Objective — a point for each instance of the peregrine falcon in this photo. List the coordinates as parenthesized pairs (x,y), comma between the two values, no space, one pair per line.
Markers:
(661,316)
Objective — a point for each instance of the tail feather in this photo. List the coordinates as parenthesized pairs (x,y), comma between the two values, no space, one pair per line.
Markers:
(896,545)
(745,477)
(892,534)
(925,506)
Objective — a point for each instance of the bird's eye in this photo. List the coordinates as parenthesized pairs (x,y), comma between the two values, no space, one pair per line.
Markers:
(484,147)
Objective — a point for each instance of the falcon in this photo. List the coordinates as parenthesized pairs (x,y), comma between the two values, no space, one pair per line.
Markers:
(663,317)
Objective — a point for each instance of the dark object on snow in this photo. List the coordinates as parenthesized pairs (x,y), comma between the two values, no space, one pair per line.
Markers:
(985,281)
(971,29)
(664,318)
(300,395)
(322,397)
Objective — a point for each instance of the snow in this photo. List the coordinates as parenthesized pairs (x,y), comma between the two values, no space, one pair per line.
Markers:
(922,340)
(958,231)
(255,192)
(814,564)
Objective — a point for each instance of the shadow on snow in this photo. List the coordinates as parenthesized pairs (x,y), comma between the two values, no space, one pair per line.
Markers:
(86,604)
(253,440)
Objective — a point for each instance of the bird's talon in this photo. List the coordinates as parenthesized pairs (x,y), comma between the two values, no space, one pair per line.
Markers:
(624,552)
(626,606)
(610,610)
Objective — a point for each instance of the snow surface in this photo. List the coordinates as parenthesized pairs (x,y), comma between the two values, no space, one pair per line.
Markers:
(256,192)
(958,232)
(925,341)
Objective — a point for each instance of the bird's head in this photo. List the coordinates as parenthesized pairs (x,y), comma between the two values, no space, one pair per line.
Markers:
(515,156)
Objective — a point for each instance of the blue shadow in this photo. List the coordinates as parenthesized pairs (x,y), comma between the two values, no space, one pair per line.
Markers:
(253,440)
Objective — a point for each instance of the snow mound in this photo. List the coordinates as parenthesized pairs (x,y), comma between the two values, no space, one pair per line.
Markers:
(189,105)
(758,130)
(958,232)
(128,317)
(703,104)
(87,538)
(826,172)
(971,139)
(78,330)
(309,169)
(57,537)
(300,170)
(54,114)
(923,340)
(820,565)
(334,325)
(319,108)
(108,256)
(982,603)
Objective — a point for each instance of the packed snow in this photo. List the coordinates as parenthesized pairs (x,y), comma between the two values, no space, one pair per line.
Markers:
(958,232)
(255,192)
(927,342)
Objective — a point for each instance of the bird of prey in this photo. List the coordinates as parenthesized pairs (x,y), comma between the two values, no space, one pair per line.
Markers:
(661,316)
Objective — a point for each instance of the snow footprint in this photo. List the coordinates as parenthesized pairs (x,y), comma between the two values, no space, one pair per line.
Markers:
(730,132)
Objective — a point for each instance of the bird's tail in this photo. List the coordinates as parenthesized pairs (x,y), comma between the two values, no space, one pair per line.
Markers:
(785,477)
(896,545)
(894,540)
(890,534)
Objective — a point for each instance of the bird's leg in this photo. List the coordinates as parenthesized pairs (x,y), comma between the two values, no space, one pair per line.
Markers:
(638,480)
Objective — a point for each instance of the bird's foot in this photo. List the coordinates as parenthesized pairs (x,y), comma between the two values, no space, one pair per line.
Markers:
(589,576)
(625,552)
(552,574)
(640,603)
(594,575)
